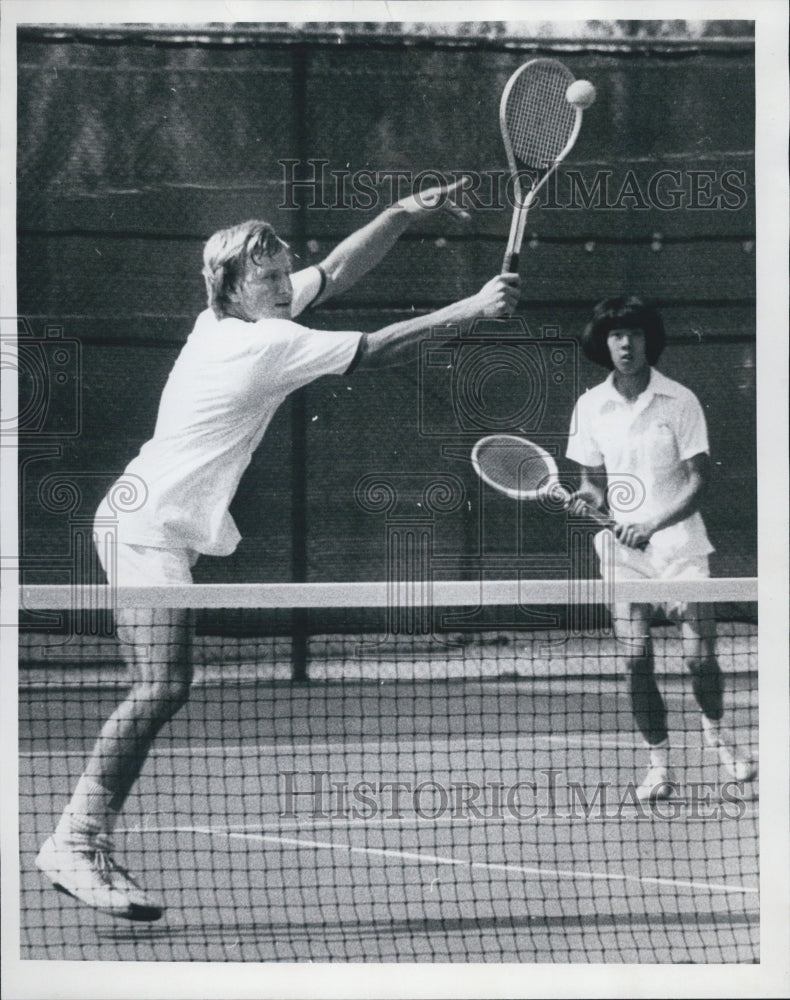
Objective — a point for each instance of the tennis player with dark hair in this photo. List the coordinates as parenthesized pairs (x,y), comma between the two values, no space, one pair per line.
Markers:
(641,438)
(244,356)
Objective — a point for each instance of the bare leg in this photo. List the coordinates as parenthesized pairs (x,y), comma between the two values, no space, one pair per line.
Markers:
(699,654)
(77,858)
(156,647)
(632,630)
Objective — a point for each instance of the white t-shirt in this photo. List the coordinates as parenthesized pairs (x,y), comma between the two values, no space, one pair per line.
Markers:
(643,444)
(226,384)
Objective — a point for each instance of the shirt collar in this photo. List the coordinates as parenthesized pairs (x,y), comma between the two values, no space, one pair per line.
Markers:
(659,385)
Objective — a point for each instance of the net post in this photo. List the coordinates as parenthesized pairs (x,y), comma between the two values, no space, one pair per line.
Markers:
(299,625)
(299,619)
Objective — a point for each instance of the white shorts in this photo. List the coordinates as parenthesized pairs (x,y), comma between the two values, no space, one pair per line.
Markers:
(143,566)
(625,563)
(620,562)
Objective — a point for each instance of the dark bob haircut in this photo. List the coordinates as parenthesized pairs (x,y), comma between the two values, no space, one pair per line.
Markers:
(623,313)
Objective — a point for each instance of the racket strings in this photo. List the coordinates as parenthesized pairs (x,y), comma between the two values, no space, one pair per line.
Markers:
(539,119)
(515,468)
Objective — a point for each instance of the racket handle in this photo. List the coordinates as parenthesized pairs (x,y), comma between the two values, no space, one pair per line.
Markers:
(604,521)
(595,515)
(510,263)
(519,218)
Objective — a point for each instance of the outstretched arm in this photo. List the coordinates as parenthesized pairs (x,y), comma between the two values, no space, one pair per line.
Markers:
(361,251)
(396,344)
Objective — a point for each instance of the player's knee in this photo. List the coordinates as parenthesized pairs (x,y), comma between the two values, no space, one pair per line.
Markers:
(706,677)
(639,665)
(702,666)
(162,699)
(174,694)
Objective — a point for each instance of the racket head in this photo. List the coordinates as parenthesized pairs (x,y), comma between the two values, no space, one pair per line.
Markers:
(539,125)
(517,467)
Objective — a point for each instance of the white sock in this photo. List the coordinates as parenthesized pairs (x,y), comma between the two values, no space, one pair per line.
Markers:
(88,813)
(712,730)
(659,755)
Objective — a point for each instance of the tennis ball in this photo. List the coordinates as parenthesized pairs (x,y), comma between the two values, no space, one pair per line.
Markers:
(581,94)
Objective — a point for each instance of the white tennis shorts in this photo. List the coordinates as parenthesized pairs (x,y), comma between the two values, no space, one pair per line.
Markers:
(141,565)
(633,564)
(622,563)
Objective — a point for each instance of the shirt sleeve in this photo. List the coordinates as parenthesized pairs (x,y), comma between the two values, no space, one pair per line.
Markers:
(309,354)
(692,428)
(582,447)
(307,286)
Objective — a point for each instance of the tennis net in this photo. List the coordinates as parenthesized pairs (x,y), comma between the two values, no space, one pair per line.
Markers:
(374,772)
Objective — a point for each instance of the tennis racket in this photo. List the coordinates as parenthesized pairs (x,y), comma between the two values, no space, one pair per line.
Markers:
(523,470)
(539,128)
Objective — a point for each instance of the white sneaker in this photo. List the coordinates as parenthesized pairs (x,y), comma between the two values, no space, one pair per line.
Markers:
(86,870)
(657,785)
(735,762)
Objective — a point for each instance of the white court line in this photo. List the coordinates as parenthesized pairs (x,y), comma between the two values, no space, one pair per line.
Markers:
(366,747)
(437,859)
(343,747)
(332,821)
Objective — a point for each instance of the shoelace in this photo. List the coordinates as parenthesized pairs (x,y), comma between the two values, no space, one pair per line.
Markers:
(100,848)
(104,865)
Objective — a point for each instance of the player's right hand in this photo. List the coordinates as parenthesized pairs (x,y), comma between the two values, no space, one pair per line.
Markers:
(634,536)
(442,196)
(499,296)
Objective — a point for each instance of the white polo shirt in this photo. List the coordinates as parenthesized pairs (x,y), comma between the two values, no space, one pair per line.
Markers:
(643,444)
(225,386)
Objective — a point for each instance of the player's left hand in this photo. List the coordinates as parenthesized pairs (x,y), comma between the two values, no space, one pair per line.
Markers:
(580,502)
(441,196)
(634,536)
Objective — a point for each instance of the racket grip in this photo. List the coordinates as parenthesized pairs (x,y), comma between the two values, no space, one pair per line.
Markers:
(606,522)
(591,513)
(510,263)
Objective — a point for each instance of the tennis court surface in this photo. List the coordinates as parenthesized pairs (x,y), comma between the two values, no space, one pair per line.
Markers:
(373,773)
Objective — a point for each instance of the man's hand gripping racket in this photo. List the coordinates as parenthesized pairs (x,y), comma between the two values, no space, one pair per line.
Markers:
(540,114)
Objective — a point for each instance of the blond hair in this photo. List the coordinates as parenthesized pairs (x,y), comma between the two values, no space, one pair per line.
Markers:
(225,257)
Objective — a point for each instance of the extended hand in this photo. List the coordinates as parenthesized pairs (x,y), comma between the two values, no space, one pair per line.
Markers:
(441,196)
